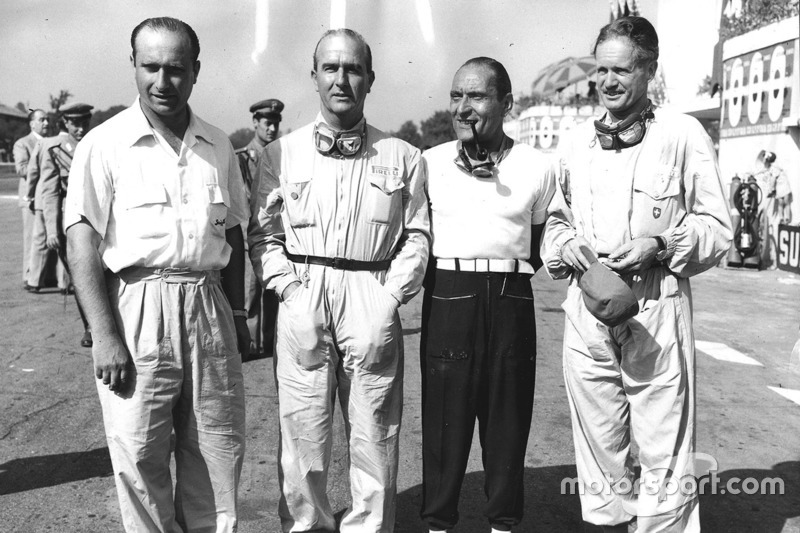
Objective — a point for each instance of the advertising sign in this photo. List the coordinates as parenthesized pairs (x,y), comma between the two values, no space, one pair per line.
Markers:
(789,248)
(757,91)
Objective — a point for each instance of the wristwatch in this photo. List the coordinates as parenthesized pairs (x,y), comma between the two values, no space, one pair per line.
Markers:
(661,255)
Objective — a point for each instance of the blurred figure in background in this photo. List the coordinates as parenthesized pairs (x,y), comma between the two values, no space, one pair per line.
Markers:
(23,151)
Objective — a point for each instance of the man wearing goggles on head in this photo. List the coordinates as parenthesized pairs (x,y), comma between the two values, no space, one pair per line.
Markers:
(340,232)
(640,189)
(488,202)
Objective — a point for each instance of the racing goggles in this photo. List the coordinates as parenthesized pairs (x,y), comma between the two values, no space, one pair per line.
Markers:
(625,134)
(333,143)
(479,169)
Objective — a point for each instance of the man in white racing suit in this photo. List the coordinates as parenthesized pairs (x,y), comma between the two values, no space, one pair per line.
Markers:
(641,191)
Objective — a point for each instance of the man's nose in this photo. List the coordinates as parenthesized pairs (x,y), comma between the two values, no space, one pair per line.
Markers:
(341,78)
(464,106)
(162,80)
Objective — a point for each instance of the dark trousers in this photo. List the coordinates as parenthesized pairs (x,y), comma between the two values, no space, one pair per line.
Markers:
(478,359)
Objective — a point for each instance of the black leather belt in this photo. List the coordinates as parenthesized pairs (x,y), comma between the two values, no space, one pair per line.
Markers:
(339,263)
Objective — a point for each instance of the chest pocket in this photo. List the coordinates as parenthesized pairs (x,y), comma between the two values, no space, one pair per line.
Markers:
(657,201)
(144,194)
(384,198)
(218,202)
(299,203)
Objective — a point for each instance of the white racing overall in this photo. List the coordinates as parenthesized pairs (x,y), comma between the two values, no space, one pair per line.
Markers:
(637,379)
(340,330)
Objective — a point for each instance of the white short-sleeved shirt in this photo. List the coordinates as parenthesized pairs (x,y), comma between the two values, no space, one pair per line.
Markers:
(487,218)
(152,207)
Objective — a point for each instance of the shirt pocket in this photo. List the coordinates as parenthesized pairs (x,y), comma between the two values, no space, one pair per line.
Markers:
(219,200)
(299,203)
(142,208)
(656,201)
(383,199)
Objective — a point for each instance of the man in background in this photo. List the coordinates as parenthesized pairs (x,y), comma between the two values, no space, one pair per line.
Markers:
(23,150)
(261,305)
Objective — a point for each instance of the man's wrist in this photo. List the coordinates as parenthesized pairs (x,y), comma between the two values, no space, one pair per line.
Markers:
(286,291)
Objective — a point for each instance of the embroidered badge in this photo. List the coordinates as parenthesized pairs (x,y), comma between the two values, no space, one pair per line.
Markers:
(656,212)
(218,222)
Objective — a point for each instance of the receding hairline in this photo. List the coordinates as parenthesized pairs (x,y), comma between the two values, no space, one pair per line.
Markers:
(493,79)
(351,35)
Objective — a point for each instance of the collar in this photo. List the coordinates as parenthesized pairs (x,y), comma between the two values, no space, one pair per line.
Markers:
(138,127)
(360,126)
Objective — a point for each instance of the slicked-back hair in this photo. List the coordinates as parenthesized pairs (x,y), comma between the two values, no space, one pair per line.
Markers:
(502,83)
(32,113)
(641,33)
(167,24)
(353,35)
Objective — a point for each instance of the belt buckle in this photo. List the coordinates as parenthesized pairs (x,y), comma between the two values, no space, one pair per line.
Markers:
(339,263)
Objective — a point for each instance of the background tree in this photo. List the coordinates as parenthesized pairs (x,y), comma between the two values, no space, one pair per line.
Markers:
(437,129)
(409,133)
(55,103)
(241,137)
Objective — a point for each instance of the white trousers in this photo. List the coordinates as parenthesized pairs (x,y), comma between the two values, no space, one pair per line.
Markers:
(341,334)
(636,379)
(188,379)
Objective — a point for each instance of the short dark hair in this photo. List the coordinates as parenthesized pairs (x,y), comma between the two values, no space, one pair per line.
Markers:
(641,33)
(501,80)
(167,24)
(353,35)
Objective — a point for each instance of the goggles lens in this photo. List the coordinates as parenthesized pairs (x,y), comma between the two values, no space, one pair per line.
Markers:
(329,142)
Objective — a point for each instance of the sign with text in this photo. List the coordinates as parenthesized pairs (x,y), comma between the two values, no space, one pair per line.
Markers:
(789,248)
(757,90)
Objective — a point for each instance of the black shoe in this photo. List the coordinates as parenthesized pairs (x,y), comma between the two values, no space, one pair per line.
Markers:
(86,340)
(30,288)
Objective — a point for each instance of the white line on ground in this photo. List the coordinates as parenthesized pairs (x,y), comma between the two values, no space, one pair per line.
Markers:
(722,352)
(8,197)
(789,394)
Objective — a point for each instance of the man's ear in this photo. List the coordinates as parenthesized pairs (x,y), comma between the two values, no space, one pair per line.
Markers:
(371,78)
(133,61)
(314,80)
(508,104)
(196,70)
(651,70)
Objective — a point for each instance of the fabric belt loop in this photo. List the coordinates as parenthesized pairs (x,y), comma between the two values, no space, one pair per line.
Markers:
(458,265)
(516,267)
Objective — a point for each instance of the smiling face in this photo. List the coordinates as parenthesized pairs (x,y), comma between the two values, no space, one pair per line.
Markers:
(621,80)
(342,80)
(165,73)
(474,100)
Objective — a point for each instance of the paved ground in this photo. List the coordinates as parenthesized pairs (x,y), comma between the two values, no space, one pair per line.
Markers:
(55,474)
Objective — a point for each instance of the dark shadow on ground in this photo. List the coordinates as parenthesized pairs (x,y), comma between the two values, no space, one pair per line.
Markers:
(547,510)
(30,473)
(762,511)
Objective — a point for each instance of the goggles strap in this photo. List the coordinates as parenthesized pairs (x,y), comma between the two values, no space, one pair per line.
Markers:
(629,132)
(478,168)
